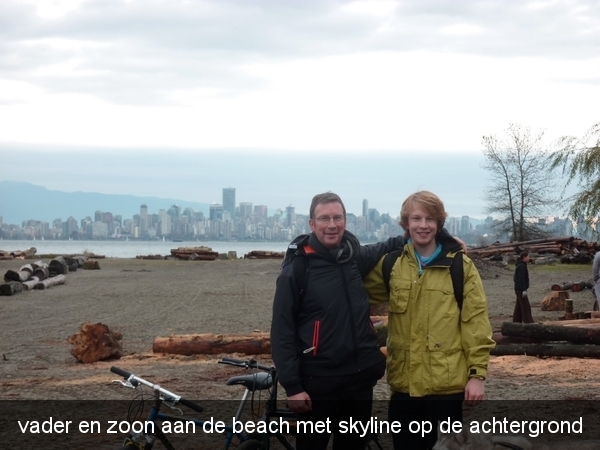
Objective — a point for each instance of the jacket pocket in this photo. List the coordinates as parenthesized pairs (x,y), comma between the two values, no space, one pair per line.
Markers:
(448,371)
(399,295)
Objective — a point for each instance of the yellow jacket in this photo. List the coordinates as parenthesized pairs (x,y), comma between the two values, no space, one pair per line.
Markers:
(433,347)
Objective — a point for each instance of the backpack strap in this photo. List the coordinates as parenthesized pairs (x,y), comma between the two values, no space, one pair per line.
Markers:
(386,266)
(300,266)
(456,273)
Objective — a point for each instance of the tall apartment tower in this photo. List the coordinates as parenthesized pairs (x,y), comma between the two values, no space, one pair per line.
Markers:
(290,216)
(261,211)
(144,220)
(365,209)
(229,201)
(245,209)
(216,212)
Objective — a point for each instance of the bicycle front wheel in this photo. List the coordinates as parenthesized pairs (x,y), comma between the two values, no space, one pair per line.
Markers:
(250,444)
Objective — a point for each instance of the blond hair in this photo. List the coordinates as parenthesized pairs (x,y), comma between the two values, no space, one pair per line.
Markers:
(430,203)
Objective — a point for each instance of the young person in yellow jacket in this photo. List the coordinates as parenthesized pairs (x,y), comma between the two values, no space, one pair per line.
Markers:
(438,351)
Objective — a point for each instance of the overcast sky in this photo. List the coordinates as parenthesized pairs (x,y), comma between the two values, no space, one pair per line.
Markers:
(392,84)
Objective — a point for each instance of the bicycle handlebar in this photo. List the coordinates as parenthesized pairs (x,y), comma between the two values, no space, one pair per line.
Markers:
(168,395)
(121,372)
(249,364)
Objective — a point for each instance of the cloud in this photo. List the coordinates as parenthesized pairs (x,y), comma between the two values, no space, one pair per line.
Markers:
(311,74)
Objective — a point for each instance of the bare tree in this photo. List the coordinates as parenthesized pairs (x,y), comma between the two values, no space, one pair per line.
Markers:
(520,190)
(581,164)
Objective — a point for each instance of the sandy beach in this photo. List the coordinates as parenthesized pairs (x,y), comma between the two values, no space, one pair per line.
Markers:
(143,299)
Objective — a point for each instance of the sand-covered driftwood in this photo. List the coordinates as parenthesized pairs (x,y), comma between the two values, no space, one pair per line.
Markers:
(212,344)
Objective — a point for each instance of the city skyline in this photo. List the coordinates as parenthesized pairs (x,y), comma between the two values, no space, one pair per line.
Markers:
(248,222)
(134,205)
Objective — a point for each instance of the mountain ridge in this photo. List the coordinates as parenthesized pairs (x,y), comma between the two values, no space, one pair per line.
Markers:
(21,201)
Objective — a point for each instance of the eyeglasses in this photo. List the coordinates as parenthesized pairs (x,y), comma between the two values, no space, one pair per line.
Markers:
(326,219)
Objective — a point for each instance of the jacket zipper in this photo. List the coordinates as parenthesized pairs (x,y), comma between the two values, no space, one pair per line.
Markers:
(315,340)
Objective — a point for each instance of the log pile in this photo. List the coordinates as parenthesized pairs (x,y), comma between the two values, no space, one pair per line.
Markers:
(18,254)
(194,253)
(573,286)
(41,275)
(569,249)
(575,338)
(150,257)
(262,254)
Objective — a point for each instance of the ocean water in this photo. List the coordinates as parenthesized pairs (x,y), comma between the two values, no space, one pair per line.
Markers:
(131,249)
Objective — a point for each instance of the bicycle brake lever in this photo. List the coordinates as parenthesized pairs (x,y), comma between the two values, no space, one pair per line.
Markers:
(126,383)
(170,404)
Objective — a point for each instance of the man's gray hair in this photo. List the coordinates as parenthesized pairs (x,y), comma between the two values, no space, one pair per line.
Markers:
(326,197)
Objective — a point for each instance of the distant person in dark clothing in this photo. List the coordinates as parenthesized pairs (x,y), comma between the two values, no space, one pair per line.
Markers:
(596,278)
(522,312)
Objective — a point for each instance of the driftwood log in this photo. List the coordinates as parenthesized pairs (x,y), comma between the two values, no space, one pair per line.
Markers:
(41,272)
(91,264)
(95,342)
(588,335)
(577,351)
(212,344)
(49,282)
(263,254)
(194,253)
(11,288)
(30,284)
(565,286)
(22,274)
(58,266)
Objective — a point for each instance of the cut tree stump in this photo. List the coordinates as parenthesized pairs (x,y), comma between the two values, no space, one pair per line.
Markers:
(95,342)
(212,344)
(554,301)
(590,335)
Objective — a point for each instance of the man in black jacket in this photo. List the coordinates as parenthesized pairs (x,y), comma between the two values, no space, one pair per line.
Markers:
(522,311)
(324,346)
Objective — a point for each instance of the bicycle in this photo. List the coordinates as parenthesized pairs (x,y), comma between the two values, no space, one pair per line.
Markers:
(151,429)
(265,379)
(271,410)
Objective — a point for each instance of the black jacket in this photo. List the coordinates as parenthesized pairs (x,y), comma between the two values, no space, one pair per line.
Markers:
(521,277)
(327,330)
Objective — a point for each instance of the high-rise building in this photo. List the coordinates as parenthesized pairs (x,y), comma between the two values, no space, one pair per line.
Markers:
(261,211)
(143,221)
(365,208)
(229,201)
(245,209)
(465,225)
(290,216)
(216,212)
